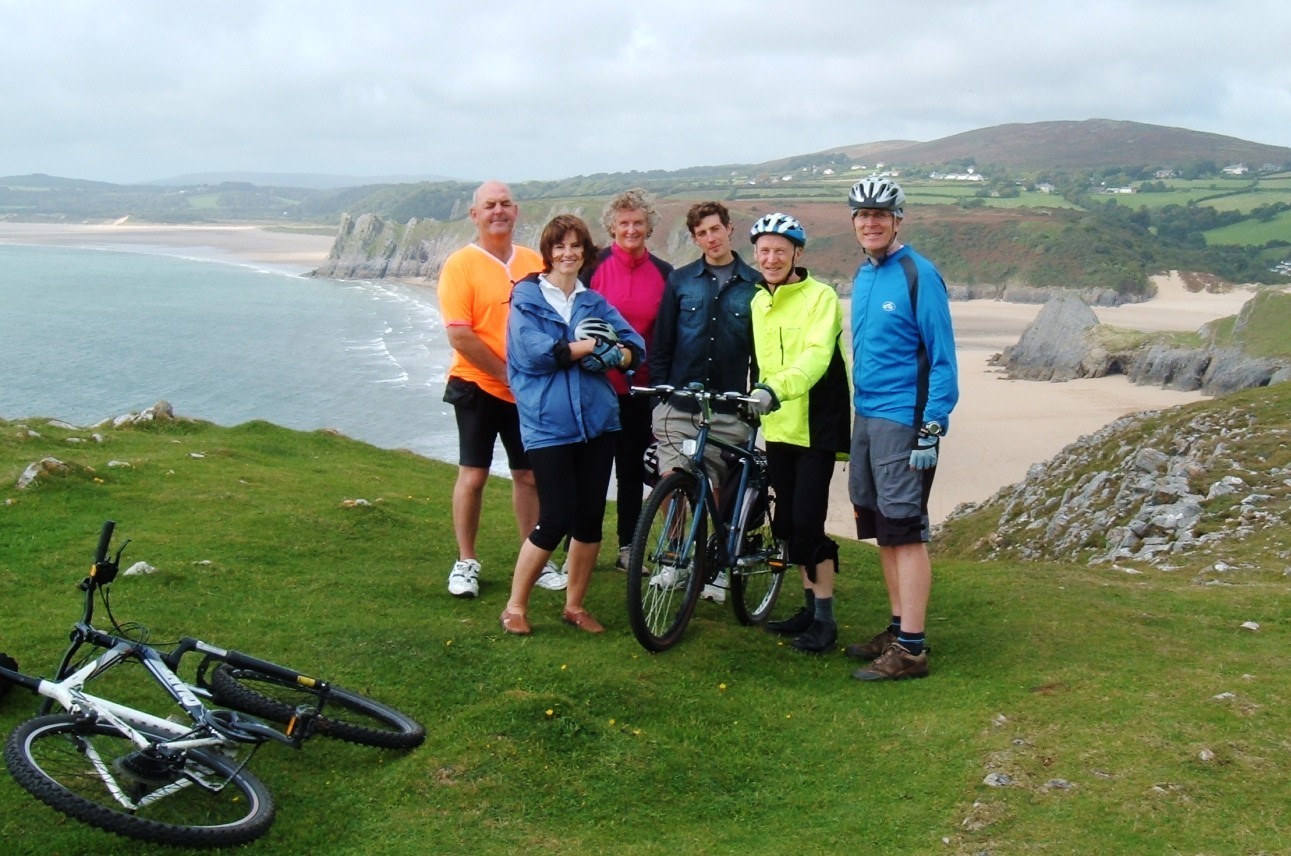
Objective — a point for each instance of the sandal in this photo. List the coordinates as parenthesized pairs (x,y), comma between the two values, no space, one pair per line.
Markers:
(583,620)
(514,623)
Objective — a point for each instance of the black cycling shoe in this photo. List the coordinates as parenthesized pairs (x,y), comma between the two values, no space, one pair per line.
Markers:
(794,624)
(818,638)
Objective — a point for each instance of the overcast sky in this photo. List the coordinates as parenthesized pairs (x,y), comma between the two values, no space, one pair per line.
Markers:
(136,90)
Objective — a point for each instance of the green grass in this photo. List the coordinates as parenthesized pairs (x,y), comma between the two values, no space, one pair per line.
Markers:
(1261,329)
(565,743)
(1254,233)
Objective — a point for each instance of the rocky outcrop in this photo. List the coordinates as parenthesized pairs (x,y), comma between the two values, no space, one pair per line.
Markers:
(1038,294)
(1155,488)
(1055,346)
(372,247)
(1064,343)
(1214,371)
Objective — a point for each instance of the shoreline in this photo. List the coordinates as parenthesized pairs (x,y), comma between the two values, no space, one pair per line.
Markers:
(297,252)
(1000,428)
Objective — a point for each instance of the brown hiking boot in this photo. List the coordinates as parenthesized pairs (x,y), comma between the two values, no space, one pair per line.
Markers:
(894,664)
(873,649)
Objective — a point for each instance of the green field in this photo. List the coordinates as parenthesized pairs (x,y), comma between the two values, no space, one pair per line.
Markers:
(1254,233)
(1099,694)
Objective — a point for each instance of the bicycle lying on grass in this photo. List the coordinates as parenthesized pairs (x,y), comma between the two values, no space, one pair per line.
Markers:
(673,557)
(182,779)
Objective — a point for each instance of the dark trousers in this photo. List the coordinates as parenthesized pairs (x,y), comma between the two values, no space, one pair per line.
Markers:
(635,437)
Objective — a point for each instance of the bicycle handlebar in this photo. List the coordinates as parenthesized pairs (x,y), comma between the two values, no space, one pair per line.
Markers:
(692,391)
(105,538)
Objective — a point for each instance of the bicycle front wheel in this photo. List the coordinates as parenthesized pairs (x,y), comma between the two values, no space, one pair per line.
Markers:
(92,772)
(758,575)
(666,563)
(345,715)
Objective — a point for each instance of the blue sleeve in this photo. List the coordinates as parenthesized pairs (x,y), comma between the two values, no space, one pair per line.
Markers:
(531,347)
(939,339)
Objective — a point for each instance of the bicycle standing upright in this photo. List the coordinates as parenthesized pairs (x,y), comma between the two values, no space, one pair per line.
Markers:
(673,556)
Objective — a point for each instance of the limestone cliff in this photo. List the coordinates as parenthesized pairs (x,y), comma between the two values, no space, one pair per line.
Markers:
(372,247)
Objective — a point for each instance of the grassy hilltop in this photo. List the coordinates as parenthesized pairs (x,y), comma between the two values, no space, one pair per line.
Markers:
(1128,713)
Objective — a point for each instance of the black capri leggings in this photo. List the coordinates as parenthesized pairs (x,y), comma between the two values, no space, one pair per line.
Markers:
(800,478)
(572,480)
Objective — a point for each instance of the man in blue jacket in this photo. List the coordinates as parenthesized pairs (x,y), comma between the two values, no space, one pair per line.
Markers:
(905,384)
(704,334)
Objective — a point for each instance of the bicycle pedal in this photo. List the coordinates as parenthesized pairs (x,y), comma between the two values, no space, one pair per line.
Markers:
(302,723)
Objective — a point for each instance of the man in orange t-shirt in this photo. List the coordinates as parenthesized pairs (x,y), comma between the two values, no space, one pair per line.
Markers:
(474,300)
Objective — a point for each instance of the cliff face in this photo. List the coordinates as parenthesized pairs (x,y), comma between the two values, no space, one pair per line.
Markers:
(372,247)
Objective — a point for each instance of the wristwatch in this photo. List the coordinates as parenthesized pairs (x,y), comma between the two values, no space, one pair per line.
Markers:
(932,429)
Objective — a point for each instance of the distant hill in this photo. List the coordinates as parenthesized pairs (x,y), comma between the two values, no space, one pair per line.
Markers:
(1088,144)
(41,182)
(312,181)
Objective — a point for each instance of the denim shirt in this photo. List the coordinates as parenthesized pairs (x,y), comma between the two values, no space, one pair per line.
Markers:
(702,334)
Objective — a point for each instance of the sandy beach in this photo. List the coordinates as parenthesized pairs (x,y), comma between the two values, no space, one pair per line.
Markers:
(225,243)
(1001,426)
(999,429)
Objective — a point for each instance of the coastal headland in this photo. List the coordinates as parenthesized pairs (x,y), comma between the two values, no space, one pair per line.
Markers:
(1000,428)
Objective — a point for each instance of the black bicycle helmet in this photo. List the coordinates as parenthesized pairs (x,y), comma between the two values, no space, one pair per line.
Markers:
(883,194)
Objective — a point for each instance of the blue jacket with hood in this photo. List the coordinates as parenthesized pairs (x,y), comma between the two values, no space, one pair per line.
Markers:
(559,401)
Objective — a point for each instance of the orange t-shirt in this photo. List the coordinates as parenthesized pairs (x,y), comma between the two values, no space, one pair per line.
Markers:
(475,291)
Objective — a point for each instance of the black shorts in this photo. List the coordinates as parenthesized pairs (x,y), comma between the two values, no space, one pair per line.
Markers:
(481,419)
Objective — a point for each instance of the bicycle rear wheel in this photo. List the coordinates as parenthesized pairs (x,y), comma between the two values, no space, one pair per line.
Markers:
(345,715)
(666,564)
(92,772)
(759,570)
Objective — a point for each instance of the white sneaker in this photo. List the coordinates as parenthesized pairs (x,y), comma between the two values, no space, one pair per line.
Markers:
(668,578)
(552,579)
(716,590)
(462,581)
(625,553)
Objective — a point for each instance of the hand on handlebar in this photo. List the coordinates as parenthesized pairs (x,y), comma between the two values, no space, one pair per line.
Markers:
(763,400)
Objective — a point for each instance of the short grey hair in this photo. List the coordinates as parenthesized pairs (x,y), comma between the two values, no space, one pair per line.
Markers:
(635,199)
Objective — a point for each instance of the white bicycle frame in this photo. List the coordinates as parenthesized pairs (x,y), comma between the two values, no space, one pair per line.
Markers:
(137,725)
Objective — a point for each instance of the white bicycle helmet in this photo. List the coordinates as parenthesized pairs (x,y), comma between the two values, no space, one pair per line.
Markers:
(595,328)
(784,225)
(883,194)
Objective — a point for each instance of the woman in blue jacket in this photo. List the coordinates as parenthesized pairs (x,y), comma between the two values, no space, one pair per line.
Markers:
(561,340)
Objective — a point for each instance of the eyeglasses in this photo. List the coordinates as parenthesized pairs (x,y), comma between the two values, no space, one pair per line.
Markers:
(870,214)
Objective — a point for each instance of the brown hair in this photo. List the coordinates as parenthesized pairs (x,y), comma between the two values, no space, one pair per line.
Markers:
(556,230)
(701,210)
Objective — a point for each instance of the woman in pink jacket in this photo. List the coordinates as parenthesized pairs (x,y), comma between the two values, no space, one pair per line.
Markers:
(631,279)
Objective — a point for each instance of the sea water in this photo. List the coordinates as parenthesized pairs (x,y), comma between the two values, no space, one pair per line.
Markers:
(87,335)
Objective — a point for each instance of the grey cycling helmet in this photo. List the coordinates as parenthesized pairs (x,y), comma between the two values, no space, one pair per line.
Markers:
(595,328)
(883,194)
(784,225)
